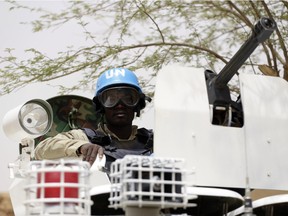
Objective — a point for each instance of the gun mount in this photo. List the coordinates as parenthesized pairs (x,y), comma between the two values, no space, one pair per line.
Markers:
(224,110)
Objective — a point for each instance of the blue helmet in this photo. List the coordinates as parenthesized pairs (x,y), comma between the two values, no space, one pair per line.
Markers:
(116,77)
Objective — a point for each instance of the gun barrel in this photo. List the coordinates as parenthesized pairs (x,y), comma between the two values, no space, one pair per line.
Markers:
(261,31)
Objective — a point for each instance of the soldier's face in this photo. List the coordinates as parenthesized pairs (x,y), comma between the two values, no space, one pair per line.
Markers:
(120,115)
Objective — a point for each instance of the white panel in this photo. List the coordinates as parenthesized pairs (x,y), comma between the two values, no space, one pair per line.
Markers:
(18,196)
(265,103)
(183,129)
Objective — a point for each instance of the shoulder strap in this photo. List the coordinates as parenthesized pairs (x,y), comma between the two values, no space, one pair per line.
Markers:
(146,137)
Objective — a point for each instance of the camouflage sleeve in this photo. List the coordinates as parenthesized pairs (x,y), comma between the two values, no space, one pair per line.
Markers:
(63,145)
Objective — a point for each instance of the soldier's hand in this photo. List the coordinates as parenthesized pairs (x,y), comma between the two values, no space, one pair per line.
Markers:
(90,152)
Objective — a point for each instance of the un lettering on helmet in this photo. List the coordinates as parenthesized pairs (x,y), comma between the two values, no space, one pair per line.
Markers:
(115,72)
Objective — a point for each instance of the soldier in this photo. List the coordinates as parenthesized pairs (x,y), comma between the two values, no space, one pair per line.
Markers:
(118,97)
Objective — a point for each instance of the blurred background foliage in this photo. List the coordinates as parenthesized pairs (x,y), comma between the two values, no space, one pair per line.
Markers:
(148,34)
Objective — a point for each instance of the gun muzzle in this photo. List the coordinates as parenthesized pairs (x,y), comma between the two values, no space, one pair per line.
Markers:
(261,32)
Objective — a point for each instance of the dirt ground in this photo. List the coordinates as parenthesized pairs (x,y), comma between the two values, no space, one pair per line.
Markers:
(258,194)
(5,205)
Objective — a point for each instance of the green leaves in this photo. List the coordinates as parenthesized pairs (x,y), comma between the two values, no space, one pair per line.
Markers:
(147,34)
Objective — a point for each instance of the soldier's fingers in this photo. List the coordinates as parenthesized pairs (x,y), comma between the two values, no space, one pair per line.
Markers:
(86,152)
(100,152)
